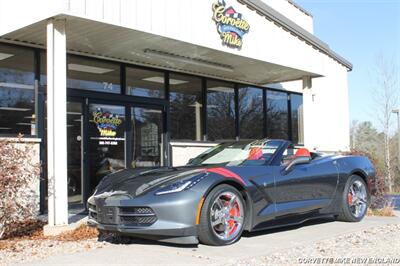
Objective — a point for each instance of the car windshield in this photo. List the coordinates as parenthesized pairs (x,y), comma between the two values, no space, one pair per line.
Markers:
(238,153)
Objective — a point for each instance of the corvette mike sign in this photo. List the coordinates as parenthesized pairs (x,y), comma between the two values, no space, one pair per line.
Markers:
(230,24)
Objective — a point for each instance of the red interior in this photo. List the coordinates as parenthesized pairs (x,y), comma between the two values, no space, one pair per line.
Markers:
(302,152)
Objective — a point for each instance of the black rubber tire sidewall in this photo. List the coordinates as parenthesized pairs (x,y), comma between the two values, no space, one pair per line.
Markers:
(345,214)
(206,235)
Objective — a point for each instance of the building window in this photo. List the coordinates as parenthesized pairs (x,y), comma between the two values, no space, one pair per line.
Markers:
(145,83)
(296,102)
(220,110)
(147,142)
(185,107)
(17,91)
(277,115)
(93,75)
(251,116)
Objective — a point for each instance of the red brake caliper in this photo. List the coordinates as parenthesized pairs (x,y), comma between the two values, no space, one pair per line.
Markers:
(235,212)
(350,198)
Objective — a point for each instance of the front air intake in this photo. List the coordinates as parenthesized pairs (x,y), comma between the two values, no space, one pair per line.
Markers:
(137,216)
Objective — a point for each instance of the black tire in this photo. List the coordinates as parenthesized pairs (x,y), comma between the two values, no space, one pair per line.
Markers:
(205,231)
(346,213)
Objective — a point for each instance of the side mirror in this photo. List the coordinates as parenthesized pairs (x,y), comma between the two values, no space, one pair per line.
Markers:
(296,161)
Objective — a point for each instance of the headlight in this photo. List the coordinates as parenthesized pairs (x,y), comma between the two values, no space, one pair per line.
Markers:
(182,184)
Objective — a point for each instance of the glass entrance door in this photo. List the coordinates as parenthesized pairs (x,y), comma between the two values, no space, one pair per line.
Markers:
(74,152)
(107,135)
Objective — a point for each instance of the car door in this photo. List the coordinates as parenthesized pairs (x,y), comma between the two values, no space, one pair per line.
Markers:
(306,187)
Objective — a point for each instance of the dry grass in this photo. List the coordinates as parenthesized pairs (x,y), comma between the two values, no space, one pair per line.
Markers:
(83,232)
(385,211)
(25,230)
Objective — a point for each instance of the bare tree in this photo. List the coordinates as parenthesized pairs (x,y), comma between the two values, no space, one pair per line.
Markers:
(353,128)
(386,93)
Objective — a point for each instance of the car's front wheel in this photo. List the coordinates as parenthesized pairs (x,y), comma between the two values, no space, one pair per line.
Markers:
(354,200)
(222,216)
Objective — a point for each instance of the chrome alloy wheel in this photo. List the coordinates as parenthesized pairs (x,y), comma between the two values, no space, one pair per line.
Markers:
(226,216)
(357,198)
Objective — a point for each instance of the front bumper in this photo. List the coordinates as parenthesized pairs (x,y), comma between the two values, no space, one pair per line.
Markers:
(170,217)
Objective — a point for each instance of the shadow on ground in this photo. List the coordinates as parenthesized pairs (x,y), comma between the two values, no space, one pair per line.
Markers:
(115,238)
(287,228)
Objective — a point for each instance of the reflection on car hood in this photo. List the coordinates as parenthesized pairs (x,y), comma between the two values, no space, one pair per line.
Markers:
(135,182)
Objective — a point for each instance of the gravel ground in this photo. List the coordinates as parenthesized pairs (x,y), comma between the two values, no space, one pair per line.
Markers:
(24,251)
(379,245)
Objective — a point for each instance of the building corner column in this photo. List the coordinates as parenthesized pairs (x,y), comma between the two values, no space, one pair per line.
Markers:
(308,102)
(57,123)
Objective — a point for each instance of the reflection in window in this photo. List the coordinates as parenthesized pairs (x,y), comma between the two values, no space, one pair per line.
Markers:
(93,75)
(43,69)
(147,143)
(251,116)
(17,90)
(145,83)
(220,110)
(185,108)
(277,115)
(297,118)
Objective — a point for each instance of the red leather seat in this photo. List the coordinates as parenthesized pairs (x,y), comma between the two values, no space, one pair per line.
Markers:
(302,152)
(255,154)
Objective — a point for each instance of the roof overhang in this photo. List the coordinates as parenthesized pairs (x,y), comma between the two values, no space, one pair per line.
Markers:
(107,41)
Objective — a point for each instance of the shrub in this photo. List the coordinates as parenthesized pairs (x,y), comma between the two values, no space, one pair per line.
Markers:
(18,196)
(378,195)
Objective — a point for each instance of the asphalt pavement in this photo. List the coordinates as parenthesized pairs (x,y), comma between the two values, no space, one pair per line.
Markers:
(251,245)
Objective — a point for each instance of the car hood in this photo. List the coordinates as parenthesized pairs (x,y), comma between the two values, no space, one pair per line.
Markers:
(135,182)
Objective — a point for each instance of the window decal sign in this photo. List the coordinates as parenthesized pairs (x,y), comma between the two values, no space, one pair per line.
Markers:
(106,122)
(230,24)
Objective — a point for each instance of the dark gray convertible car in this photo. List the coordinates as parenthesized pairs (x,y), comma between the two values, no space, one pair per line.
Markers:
(235,186)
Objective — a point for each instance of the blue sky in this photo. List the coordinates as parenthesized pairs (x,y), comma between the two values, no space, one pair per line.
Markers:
(359,30)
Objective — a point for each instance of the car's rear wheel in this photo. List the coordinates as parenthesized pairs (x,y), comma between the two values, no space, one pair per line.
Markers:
(222,216)
(354,200)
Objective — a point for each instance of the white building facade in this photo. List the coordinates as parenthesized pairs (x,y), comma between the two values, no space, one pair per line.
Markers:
(101,85)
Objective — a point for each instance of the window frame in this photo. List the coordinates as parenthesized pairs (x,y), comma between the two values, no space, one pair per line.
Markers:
(41,94)
(37,95)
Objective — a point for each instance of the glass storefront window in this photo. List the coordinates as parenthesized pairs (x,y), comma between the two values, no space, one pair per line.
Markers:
(145,83)
(17,91)
(297,118)
(93,75)
(43,69)
(220,110)
(185,107)
(251,116)
(277,115)
(147,142)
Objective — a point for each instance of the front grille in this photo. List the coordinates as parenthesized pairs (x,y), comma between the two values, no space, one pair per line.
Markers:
(137,216)
(136,210)
(138,220)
